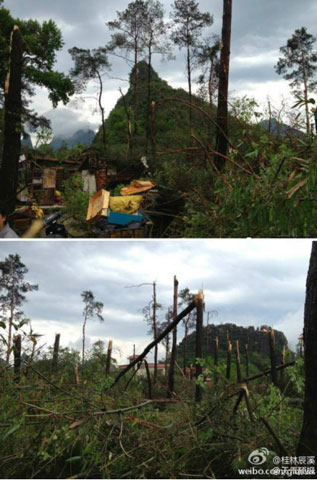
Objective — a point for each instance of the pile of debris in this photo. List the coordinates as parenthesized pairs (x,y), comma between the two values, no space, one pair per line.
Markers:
(121,216)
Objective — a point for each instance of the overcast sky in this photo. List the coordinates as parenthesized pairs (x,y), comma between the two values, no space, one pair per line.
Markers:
(248,282)
(259,28)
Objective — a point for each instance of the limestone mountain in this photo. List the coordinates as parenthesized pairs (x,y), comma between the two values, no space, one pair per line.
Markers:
(80,137)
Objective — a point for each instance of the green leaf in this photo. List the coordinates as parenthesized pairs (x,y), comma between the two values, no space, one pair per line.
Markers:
(73,459)
(12,430)
(2,325)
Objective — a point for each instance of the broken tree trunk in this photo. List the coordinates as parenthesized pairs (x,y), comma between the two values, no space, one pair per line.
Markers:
(12,123)
(160,337)
(17,356)
(273,356)
(108,362)
(246,359)
(77,375)
(268,371)
(307,444)
(199,342)
(174,344)
(216,357)
(238,362)
(155,331)
(229,352)
(55,351)
(148,376)
(222,112)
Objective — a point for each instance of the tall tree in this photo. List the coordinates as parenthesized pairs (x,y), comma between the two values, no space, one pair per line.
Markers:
(189,23)
(155,42)
(90,65)
(300,60)
(12,289)
(222,112)
(91,308)
(189,322)
(307,444)
(130,38)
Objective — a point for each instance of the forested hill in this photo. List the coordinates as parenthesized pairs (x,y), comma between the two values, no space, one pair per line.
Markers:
(169,127)
(256,338)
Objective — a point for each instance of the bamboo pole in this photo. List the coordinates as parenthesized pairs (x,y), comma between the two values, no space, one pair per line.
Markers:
(171,372)
(108,363)
(199,341)
(238,362)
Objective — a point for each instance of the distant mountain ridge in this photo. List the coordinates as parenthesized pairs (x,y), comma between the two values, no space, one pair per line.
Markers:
(80,137)
(280,127)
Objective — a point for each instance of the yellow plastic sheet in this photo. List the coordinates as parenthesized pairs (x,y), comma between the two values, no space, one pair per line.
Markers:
(126,204)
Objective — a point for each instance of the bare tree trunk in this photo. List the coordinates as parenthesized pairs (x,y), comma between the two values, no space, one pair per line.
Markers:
(174,344)
(222,113)
(102,110)
(307,444)
(55,351)
(305,94)
(216,356)
(185,347)
(229,352)
(199,342)
(135,86)
(84,334)
(10,322)
(273,356)
(238,362)
(153,140)
(149,93)
(17,356)
(108,363)
(155,331)
(77,375)
(246,360)
(189,91)
(12,123)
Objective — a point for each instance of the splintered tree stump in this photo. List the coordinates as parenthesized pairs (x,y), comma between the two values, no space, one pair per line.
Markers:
(108,363)
(55,351)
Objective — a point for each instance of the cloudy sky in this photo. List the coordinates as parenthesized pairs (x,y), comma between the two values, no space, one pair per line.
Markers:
(259,28)
(248,282)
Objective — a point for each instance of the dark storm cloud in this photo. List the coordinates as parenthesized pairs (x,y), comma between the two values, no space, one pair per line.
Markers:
(248,283)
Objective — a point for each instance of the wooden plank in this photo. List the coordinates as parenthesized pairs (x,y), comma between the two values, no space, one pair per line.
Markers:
(98,206)
(49,178)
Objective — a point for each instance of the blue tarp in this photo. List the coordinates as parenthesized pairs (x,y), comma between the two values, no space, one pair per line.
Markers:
(118,218)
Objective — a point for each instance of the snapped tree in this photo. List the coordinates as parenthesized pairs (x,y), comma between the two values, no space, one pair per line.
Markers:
(189,321)
(188,25)
(12,290)
(91,308)
(222,112)
(298,65)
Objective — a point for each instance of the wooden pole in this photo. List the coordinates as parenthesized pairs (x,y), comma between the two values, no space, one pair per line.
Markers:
(108,363)
(17,356)
(229,352)
(273,356)
(238,362)
(246,359)
(55,351)
(199,341)
(174,343)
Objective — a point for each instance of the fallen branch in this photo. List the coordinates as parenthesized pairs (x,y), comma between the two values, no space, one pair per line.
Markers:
(160,337)
(268,371)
